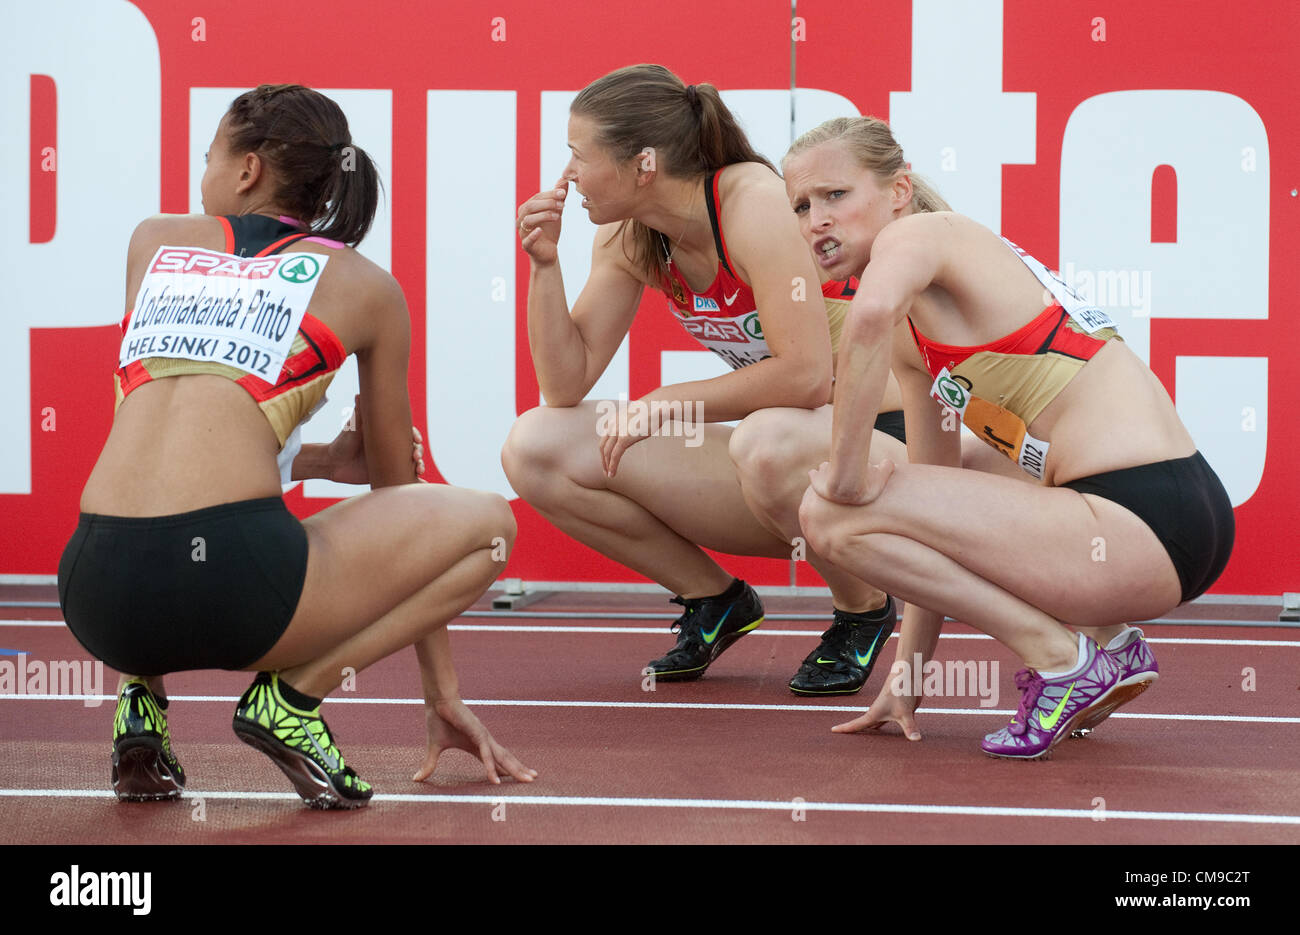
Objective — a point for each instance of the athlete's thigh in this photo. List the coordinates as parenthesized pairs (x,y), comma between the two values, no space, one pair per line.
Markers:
(981,456)
(691,486)
(783,435)
(1075,557)
(798,440)
(369,553)
(685,478)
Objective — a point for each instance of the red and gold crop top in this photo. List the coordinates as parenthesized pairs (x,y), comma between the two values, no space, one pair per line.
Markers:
(724,317)
(192,340)
(837,296)
(999,388)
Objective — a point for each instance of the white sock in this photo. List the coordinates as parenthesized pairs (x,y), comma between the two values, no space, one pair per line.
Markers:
(1079,664)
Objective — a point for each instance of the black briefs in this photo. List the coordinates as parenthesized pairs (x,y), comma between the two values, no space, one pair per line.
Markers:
(1185,505)
(891,423)
(210,589)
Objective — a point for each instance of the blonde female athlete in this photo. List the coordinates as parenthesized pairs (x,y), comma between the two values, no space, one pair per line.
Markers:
(827,173)
(687,207)
(185,556)
(1128,522)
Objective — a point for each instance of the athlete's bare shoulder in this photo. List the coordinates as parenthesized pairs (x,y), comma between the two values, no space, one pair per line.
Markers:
(175,230)
(931,224)
(947,227)
(365,282)
(740,177)
(942,236)
(614,249)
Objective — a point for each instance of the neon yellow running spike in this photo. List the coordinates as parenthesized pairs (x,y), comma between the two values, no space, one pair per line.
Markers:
(300,743)
(144,767)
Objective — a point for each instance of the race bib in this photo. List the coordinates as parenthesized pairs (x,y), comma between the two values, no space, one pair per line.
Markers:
(203,305)
(1089,317)
(999,427)
(737,340)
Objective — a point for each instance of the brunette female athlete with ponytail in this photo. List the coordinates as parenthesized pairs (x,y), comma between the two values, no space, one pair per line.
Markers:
(686,207)
(186,556)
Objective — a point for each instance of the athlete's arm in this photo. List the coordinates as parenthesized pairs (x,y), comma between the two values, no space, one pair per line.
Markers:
(896,703)
(344,459)
(450,724)
(936,439)
(767,252)
(905,258)
(933,432)
(928,442)
(382,358)
(571,351)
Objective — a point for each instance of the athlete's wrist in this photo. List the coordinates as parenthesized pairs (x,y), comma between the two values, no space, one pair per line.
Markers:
(313,461)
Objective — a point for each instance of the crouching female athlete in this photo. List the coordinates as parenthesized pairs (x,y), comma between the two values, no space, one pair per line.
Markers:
(185,556)
(832,176)
(686,207)
(1128,522)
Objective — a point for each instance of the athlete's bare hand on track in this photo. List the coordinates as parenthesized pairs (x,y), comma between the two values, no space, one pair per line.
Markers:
(888,708)
(453,726)
(851,492)
(538,223)
(348,451)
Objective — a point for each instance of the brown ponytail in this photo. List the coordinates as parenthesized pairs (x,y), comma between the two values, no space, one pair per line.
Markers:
(325,180)
(873,146)
(692,131)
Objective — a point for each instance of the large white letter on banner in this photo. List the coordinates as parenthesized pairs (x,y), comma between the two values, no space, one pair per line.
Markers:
(106,182)
(1218,268)
(957,126)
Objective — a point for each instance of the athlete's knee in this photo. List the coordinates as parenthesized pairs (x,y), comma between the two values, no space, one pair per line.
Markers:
(831,530)
(529,453)
(501,519)
(816,521)
(494,521)
(536,447)
(762,462)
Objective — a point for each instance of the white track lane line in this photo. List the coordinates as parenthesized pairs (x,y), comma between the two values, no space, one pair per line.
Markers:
(98,700)
(543,628)
(976,811)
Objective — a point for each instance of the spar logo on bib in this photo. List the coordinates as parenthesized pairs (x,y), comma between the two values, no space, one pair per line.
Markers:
(301,269)
(949,392)
(753,327)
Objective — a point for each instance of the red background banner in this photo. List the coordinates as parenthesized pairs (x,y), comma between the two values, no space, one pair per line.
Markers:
(862,51)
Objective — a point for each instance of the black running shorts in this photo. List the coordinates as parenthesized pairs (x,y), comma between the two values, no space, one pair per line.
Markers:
(891,423)
(1184,503)
(210,589)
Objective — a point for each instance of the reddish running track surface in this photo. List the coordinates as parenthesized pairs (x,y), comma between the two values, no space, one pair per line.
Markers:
(1207,755)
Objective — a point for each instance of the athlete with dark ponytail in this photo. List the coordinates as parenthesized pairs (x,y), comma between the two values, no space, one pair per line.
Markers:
(185,556)
(687,207)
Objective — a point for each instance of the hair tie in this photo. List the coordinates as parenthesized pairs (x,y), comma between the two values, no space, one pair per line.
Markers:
(693,98)
(337,147)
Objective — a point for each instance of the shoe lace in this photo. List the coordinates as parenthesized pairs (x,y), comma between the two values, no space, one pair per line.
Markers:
(838,636)
(1030,684)
(683,624)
